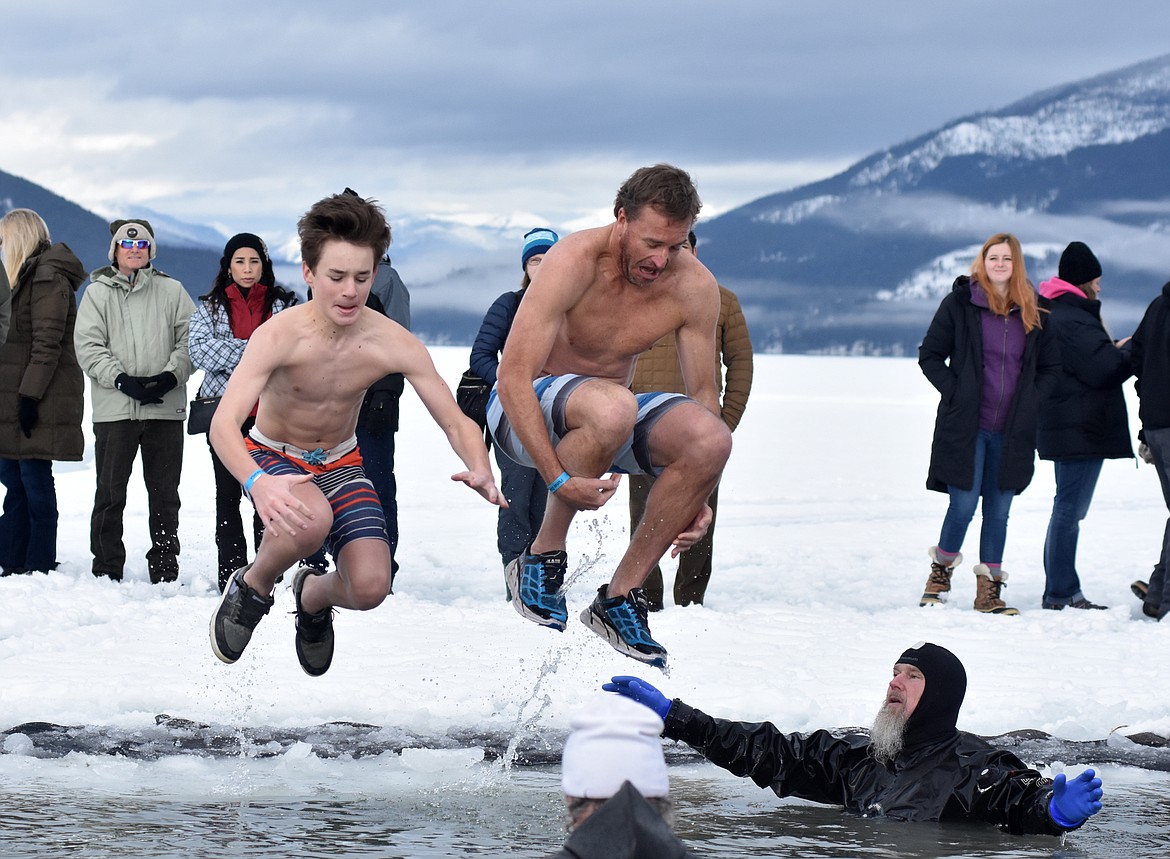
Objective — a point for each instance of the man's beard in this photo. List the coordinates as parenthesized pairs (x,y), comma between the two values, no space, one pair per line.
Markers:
(887,734)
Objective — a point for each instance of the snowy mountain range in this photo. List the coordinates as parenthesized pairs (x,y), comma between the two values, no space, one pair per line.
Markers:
(852,264)
(858,262)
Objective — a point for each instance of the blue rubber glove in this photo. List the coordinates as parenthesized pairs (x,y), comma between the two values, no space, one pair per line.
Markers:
(640,691)
(1073,802)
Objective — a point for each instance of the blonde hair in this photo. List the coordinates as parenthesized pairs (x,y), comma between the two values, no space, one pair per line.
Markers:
(1019,292)
(22,231)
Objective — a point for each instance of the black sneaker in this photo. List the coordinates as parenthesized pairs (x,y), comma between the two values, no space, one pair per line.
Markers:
(314,642)
(622,622)
(535,582)
(1140,589)
(240,609)
(1081,603)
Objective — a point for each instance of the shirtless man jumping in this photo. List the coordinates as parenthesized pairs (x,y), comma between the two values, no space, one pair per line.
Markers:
(309,368)
(562,402)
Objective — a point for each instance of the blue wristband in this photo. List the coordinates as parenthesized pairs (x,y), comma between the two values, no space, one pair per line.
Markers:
(559,482)
(251,479)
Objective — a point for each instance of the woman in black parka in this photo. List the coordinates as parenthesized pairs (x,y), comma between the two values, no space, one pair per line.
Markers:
(1083,420)
(986,352)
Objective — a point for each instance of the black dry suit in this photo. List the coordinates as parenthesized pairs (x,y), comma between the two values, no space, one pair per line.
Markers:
(941,774)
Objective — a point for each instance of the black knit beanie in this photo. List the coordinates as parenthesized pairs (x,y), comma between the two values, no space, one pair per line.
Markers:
(249,240)
(1078,265)
(946,685)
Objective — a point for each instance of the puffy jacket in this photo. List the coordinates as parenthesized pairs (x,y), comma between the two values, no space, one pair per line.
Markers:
(625,827)
(658,368)
(492,334)
(1083,415)
(960,777)
(1150,354)
(137,328)
(38,361)
(5,304)
(951,357)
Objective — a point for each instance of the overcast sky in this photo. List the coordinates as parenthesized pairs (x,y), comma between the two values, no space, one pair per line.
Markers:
(240,115)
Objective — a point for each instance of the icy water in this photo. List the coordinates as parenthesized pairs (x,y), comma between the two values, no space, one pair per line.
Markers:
(446,803)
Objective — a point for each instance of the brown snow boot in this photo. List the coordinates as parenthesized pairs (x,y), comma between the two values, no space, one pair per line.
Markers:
(938,584)
(987,588)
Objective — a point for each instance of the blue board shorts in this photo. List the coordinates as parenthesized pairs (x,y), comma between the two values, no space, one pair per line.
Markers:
(552,392)
(338,473)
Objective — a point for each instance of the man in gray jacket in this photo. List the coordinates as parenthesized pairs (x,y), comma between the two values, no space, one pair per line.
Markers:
(131,341)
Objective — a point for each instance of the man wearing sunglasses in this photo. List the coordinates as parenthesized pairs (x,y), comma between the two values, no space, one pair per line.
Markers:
(131,341)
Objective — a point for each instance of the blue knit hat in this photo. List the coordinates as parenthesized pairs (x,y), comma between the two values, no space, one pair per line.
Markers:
(537,241)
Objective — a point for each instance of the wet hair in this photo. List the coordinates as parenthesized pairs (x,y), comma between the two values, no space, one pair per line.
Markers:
(346,217)
(579,809)
(216,297)
(668,189)
(22,233)
(1019,292)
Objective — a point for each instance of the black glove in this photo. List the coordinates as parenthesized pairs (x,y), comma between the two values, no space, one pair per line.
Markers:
(134,387)
(29,412)
(160,383)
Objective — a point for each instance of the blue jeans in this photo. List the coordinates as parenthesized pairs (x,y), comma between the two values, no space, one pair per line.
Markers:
(996,504)
(1075,481)
(28,526)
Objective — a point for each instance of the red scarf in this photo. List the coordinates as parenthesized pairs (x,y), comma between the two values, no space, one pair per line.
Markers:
(245,312)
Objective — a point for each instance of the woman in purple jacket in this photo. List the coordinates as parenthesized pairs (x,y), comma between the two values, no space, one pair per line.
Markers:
(986,352)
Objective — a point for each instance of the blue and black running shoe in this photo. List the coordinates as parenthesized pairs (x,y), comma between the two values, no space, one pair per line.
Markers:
(622,622)
(535,583)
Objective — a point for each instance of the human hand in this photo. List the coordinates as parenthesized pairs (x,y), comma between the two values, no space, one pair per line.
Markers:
(160,383)
(278,505)
(29,413)
(484,484)
(588,493)
(640,691)
(1074,802)
(134,387)
(694,532)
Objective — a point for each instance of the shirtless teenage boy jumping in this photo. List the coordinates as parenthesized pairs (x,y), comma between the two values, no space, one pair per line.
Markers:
(309,368)
(562,402)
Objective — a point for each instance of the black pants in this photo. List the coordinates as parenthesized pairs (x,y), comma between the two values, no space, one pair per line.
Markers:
(116,444)
(230,542)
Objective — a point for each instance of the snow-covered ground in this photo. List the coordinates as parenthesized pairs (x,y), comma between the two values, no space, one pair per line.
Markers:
(821,548)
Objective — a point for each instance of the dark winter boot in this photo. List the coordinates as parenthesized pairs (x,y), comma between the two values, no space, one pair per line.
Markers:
(938,584)
(987,588)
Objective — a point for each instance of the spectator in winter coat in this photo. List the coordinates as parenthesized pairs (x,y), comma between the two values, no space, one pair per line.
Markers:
(1150,357)
(243,295)
(1083,419)
(913,765)
(41,389)
(521,485)
(658,370)
(989,357)
(131,341)
(378,418)
(614,778)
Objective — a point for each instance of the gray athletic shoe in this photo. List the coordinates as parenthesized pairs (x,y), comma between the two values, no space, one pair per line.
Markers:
(622,622)
(314,643)
(240,609)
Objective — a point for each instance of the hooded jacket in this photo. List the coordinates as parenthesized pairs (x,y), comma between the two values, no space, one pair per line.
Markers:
(137,328)
(625,827)
(38,360)
(952,358)
(1083,415)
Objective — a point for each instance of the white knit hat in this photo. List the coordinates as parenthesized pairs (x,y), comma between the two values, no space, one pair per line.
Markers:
(614,740)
